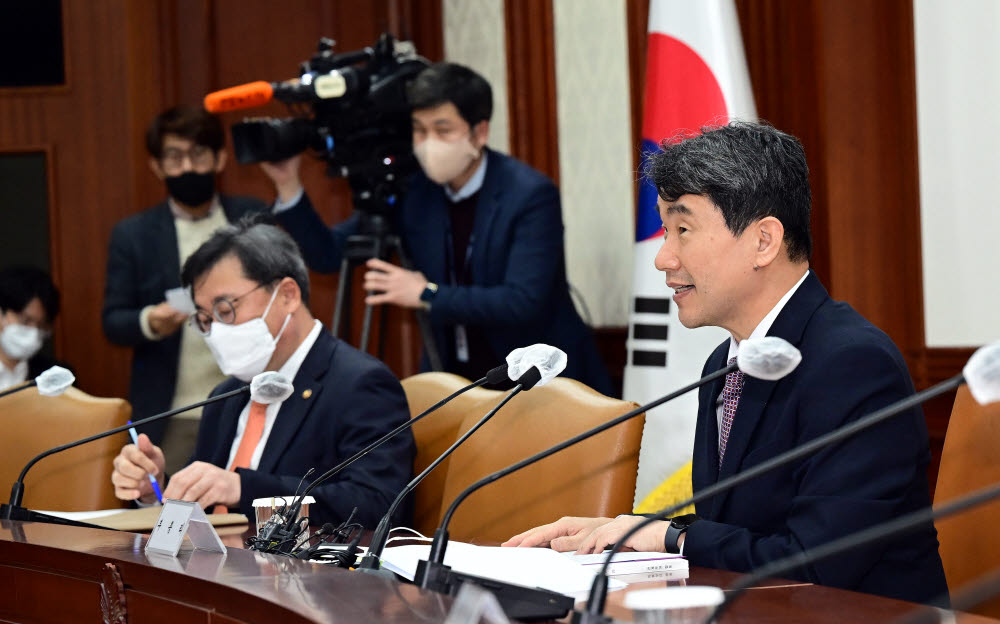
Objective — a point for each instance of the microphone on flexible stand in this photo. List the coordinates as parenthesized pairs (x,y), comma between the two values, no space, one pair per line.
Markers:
(766,358)
(982,373)
(528,366)
(266,387)
(52,382)
(273,536)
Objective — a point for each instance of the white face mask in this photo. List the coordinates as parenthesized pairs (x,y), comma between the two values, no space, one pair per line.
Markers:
(443,161)
(244,350)
(21,342)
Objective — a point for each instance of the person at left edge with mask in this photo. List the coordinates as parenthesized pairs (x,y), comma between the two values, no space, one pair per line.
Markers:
(29,303)
(251,291)
(171,366)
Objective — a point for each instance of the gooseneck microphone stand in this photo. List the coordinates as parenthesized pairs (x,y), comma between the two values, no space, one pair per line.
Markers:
(13,509)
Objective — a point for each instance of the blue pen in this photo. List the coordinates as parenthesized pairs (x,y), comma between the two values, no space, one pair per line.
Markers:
(152,479)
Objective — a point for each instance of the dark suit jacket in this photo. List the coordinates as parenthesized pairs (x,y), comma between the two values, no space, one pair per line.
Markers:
(520,294)
(142,264)
(849,369)
(354,400)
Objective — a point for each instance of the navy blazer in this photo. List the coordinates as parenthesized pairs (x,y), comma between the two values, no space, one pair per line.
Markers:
(849,369)
(518,268)
(343,400)
(143,263)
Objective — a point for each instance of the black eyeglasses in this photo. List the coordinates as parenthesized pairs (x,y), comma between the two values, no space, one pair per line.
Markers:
(223,311)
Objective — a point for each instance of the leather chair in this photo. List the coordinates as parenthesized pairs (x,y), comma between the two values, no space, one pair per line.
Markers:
(970,460)
(436,433)
(75,480)
(593,478)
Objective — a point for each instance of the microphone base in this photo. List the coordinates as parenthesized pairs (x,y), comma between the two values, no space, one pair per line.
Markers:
(379,572)
(16,512)
(519,603)
(586,617)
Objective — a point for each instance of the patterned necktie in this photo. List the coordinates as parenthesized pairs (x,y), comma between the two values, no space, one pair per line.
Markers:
(730,399)
(251,438)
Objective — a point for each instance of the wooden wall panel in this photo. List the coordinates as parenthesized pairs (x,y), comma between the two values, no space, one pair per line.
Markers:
(531,70)
(127,61)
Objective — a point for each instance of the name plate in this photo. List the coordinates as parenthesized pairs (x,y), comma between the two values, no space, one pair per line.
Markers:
(180,518)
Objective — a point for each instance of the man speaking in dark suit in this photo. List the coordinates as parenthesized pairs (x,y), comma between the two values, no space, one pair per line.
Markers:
(170,364)
(251,291)
(735,206)
(483,230)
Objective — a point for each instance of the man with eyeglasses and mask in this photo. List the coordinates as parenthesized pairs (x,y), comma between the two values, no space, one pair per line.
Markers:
(483,230)
(171,366)
(251,293)
(29,303)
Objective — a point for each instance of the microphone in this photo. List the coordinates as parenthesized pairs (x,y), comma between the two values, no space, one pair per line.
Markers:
(52,382)
(290,513)
(309,88)
(268,387)
(982,372)
(766,358)
(538,365)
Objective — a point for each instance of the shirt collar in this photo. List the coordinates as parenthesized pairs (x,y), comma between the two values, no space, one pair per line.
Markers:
(291,366)
(184,215)
(765,324)
(471,187)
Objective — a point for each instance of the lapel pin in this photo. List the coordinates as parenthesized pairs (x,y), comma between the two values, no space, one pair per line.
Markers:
(307,393)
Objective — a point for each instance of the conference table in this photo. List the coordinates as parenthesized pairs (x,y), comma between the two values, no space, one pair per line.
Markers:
(52,573)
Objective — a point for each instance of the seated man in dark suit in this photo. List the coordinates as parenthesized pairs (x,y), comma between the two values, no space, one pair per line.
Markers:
(251,290)
(735,206)
(170,364)
(29,303)
(484,232)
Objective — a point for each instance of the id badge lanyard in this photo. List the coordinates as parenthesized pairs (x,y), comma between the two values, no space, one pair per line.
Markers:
(461,337)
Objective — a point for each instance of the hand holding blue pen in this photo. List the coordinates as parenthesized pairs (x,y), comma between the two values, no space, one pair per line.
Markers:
(152,479)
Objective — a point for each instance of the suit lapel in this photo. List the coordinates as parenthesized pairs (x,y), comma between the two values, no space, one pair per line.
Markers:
(227,428)
(432,226)
(167,238)
(790,325)
(710,443)
(296,408)
(486,211)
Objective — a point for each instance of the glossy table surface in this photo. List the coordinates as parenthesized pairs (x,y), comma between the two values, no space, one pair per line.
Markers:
(39,560)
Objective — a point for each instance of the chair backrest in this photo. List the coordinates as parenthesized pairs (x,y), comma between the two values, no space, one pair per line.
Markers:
(593,478)
(970,460)
(436,433)
(75,480)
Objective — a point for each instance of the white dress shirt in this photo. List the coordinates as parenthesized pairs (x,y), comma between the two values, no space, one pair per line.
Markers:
(289,369)
(759,332)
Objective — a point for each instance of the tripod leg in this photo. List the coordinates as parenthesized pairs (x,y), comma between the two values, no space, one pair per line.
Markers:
(340,307)
(423,322)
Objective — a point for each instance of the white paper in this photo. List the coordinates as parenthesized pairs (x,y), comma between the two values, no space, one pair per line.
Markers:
(82,516)
(528,567)
(180,299)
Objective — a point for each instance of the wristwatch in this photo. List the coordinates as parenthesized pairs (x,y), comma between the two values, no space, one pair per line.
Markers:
(427,295)
(678,526)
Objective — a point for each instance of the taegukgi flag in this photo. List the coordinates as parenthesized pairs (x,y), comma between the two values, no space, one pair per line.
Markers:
(696,75)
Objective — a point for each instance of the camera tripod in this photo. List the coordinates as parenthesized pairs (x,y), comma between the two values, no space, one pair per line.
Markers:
(376,240)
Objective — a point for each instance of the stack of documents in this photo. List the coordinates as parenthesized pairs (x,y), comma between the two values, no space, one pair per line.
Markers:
(528,567)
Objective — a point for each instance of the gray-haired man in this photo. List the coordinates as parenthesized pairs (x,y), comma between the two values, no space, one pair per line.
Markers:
(251,291)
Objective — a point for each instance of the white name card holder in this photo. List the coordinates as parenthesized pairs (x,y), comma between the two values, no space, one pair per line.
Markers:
(180,518)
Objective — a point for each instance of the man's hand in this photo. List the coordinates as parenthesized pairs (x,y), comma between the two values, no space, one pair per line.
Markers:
(592,535)
(206,484)
(132,468)
(562,535)
(165,320)
(393,284)
(285,175)
(649,539)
